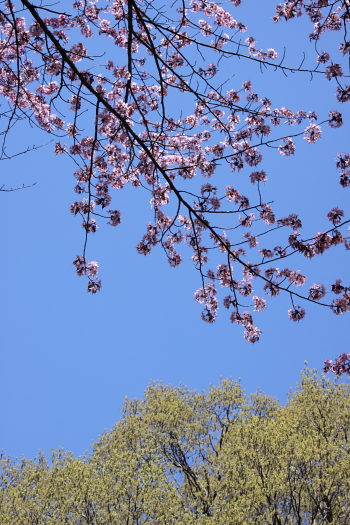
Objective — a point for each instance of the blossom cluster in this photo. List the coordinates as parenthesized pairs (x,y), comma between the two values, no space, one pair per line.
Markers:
(125,129)
(340,366)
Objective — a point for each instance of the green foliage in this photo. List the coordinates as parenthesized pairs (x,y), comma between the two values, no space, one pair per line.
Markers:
(180,457)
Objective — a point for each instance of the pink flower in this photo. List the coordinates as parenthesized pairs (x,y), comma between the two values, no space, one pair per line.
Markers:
(247,220)
(342,160)
(251,271)
(244,319)
(266,253)
(295,243)
(334,71)
(322,242)
(79,264)
(345,178)
(199,256)
(272,289)
(341,365)
(333,22)
(92,268)
(115,217)
(323,58)
(252,240)
(312,133)
(297,313)
(340,305)
(337,238)
(252,334)
(253,157)
(335,215)
(185,222)
(208,315)
(267,214)
(228,301)
(258,176)
(270,272)
(296,278)
(92,12)
(232,194)
(82,206)
(174,258)
(317,292)
(260,303)
(344,47)
(252,97)
(160,196)
(224,274)
(336,120)
(149,240)
(77,52)
(337,287)
(207,295)
(59,149)
(94,285)
(280,251)
(292,220)
(90,225)
(245,287)
(343,94)
(206,29)
(233,95)
(207,189)
(288,148)
(79,188)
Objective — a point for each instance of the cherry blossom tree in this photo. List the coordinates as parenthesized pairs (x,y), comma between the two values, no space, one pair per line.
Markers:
(126,129)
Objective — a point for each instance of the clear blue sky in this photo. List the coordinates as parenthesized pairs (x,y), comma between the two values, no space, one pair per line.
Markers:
(69,358)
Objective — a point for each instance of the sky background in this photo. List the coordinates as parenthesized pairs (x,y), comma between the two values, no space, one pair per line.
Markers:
(70,358)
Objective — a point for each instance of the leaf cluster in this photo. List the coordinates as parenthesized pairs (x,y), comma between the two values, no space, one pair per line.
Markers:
(178,456)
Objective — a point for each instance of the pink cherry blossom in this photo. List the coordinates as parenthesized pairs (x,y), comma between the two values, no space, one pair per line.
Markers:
(334,71)
(94,285)
(256,176)
(260,303)
(287,148)
(297,313)
(335,215)
(115,217)
(336,120)
(92,268)
(340,366)
(312,133)
(317,292)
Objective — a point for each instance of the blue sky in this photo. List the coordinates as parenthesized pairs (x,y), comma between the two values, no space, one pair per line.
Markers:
(70,358)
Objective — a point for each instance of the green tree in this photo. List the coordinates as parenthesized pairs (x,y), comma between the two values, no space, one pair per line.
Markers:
(182,457)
